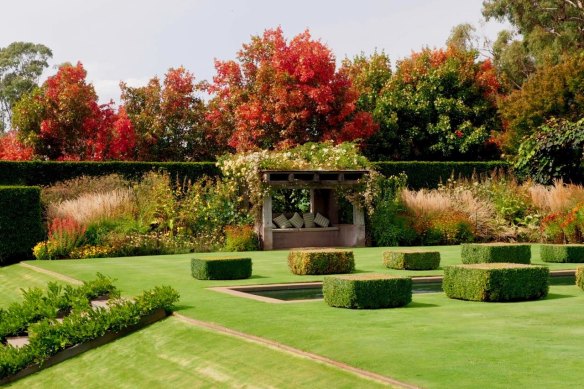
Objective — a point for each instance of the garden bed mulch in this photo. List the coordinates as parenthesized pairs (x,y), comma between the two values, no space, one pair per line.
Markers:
(73,351)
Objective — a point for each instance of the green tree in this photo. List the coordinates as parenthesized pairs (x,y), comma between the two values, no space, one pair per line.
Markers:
(21,65)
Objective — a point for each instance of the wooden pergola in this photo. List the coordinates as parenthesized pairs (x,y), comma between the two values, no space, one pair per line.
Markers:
(323,185)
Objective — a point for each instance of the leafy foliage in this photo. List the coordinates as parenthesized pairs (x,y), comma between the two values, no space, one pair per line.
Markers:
(321,261)
(495,252)
(555,151)
(222,268)
(11,149)
(439,104)
(570,253)
(370,291)
(280,94)
(411,259)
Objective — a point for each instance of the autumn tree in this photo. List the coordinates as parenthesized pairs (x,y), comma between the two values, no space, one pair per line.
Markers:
(62,120)
(280,93)
(21,65)
(11,149)
(169,119)
(439,104)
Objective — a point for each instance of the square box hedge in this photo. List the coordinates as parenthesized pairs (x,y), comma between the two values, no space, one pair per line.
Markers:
(496,253)
(580,277)
(367,291)
(496,282)
(571,253)
(411,260)
(222,268)
(321,261)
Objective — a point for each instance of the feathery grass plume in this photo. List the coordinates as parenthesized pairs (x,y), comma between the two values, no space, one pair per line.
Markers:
(558,197)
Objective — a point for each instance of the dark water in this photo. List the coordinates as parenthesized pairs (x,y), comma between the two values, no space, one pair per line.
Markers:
(417,288)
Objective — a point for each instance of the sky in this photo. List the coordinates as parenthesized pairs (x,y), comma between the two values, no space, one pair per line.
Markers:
(134,40)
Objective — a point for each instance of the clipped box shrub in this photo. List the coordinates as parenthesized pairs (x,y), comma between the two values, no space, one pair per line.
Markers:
(367,291)
(21,225)
(496,282)
(222,268)
(496,252)
(580,277)
(572,253)
(321,261)
(411,259)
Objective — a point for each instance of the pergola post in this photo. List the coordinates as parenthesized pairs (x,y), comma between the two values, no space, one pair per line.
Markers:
(359,223)
(266,229)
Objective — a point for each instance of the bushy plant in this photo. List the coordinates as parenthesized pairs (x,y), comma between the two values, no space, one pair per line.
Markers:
(321,261)
(367,291)
(64,236)
(580,277)
(222,268)
(241,238)
(495,252)
(571,253)
(564,227)
(74,188)
(411,259)
(495,282)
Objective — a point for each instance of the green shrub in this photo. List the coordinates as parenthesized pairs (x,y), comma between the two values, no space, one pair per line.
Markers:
(48,172)
(241,238)
(222,268)
(580,277)
(321,261)
(572,253)
(411,259)
(495,282)
(496,252)
(422,174)
(367,291)
(21,226)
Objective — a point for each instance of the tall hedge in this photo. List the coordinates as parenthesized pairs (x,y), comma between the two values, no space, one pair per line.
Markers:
(423,174)
(21,225)
(49,172)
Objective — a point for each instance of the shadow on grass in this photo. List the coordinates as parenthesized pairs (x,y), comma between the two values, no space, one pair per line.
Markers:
(256,276)
(555,296)
(181,307)
(416,304)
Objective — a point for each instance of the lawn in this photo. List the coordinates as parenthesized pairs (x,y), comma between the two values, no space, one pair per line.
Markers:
(433,342)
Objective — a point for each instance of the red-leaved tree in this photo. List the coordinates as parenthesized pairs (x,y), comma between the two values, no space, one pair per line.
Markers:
(62,120)
(11,149)
(278,94)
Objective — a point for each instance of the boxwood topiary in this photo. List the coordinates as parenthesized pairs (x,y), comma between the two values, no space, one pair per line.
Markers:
(573,253)
(411,259)
(321,261)
(496,252)
(367,291)
(21,226)
(580,277)
(222,268)
(496,282)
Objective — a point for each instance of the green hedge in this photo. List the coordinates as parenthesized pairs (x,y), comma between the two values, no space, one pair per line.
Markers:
(496,252)
(49,172)
(423,174)
(222,268)
(321,261)
(572,253)
(580,277)
(21,226)
(411,259)
(496,282)
(367,291)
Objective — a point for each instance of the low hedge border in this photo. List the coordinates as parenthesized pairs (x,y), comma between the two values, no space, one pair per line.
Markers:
(222,268)
(495,253)
(569,253)
(496,282)
(321,261)
(580,277)
(367,291)
(411,259)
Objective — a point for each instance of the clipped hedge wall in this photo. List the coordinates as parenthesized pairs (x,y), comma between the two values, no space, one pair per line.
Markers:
(48,172)
(367,291)
(321,261)
(222,268)
(572,253)
(580,277)
(21,225)
(422,174)
(495,282)
(411,259)
(496,252)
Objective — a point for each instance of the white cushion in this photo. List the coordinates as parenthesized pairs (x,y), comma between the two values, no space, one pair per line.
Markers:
(282,222)
(322,221)
(308,220)
(297,220)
